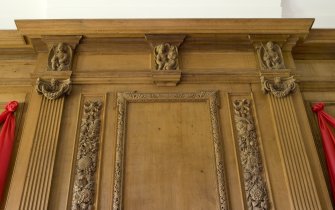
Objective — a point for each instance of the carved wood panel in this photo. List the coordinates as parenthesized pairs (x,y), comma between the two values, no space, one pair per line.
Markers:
(84,187)
(255,187)
(171,103)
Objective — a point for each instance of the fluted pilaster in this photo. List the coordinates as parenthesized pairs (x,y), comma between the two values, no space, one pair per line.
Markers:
(298,171)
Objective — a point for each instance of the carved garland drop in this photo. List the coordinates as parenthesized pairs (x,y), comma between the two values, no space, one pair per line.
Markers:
(84,183)
(124,98)
(54,89)
(279,87)
(254,183)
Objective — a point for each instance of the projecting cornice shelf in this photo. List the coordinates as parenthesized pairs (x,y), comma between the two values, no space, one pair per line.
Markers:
(123,28)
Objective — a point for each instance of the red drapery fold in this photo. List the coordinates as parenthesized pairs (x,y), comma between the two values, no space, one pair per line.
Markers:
(328,141)
(6,141)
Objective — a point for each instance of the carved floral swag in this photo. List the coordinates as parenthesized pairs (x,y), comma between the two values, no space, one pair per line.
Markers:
(6,141)
(328,141)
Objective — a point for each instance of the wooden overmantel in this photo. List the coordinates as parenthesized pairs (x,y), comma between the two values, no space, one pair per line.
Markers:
(222,98)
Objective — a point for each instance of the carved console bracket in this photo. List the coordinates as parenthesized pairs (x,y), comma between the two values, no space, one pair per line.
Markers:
(165,58)
(254,183)
(54,89)
(270,55)
(61,49)
(86,165)
(279,86)
(269,50)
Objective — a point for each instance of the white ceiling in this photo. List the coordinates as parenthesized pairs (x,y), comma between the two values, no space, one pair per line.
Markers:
(322,10)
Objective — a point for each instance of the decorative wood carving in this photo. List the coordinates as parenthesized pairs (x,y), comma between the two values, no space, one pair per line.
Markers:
(279,87)
(54,89)
(166,60)
(127,97)
(60,57)
(254,183)
(84,183)
(166,57)
(270,56)
(165,66)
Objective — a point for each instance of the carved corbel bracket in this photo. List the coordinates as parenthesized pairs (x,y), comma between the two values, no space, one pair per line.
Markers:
(274,51)
(278,86)
(165,58)
(54,88)
(61,50)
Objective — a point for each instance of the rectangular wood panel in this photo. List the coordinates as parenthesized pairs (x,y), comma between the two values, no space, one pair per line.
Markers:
(168,152)
(169,159)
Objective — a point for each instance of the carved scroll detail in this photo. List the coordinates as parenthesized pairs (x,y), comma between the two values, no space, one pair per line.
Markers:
(254,183)
(279,87)
(84,183)
(127,97)
(60,57)
(54,89)
(270,56)
(166,57)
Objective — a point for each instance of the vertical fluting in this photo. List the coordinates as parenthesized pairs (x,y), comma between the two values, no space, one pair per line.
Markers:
(299,175)
(41,163)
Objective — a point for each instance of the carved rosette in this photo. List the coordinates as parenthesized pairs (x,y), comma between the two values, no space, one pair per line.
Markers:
(54,89)
(166,57)
(270,56)
(127,97)
(60,57)
(279,87)
(254,182)
(86,162)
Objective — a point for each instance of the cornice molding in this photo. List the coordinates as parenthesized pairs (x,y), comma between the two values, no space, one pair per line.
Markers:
(139,27)
(230,34)
(319,45)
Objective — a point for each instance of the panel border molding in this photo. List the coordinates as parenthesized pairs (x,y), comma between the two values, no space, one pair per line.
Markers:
(123,98)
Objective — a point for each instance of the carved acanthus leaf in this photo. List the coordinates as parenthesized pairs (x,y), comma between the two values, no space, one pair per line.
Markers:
(54,89)
(60,57)
(279,87)
(270,56)
(254,183)
(166,57)
(88,146)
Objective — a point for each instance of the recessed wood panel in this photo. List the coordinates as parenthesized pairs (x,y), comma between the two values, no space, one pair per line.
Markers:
(111,62)
(196,61)
(169,159)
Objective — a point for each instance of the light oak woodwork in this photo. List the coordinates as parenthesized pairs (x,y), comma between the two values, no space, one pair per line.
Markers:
(169,164)
(169,147)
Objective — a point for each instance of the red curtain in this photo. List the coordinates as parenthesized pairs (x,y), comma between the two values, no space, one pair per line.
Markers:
(6,141)
(328,141)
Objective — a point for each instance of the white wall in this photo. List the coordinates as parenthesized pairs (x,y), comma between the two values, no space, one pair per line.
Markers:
(164,8)
(20,9)
(323,10)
